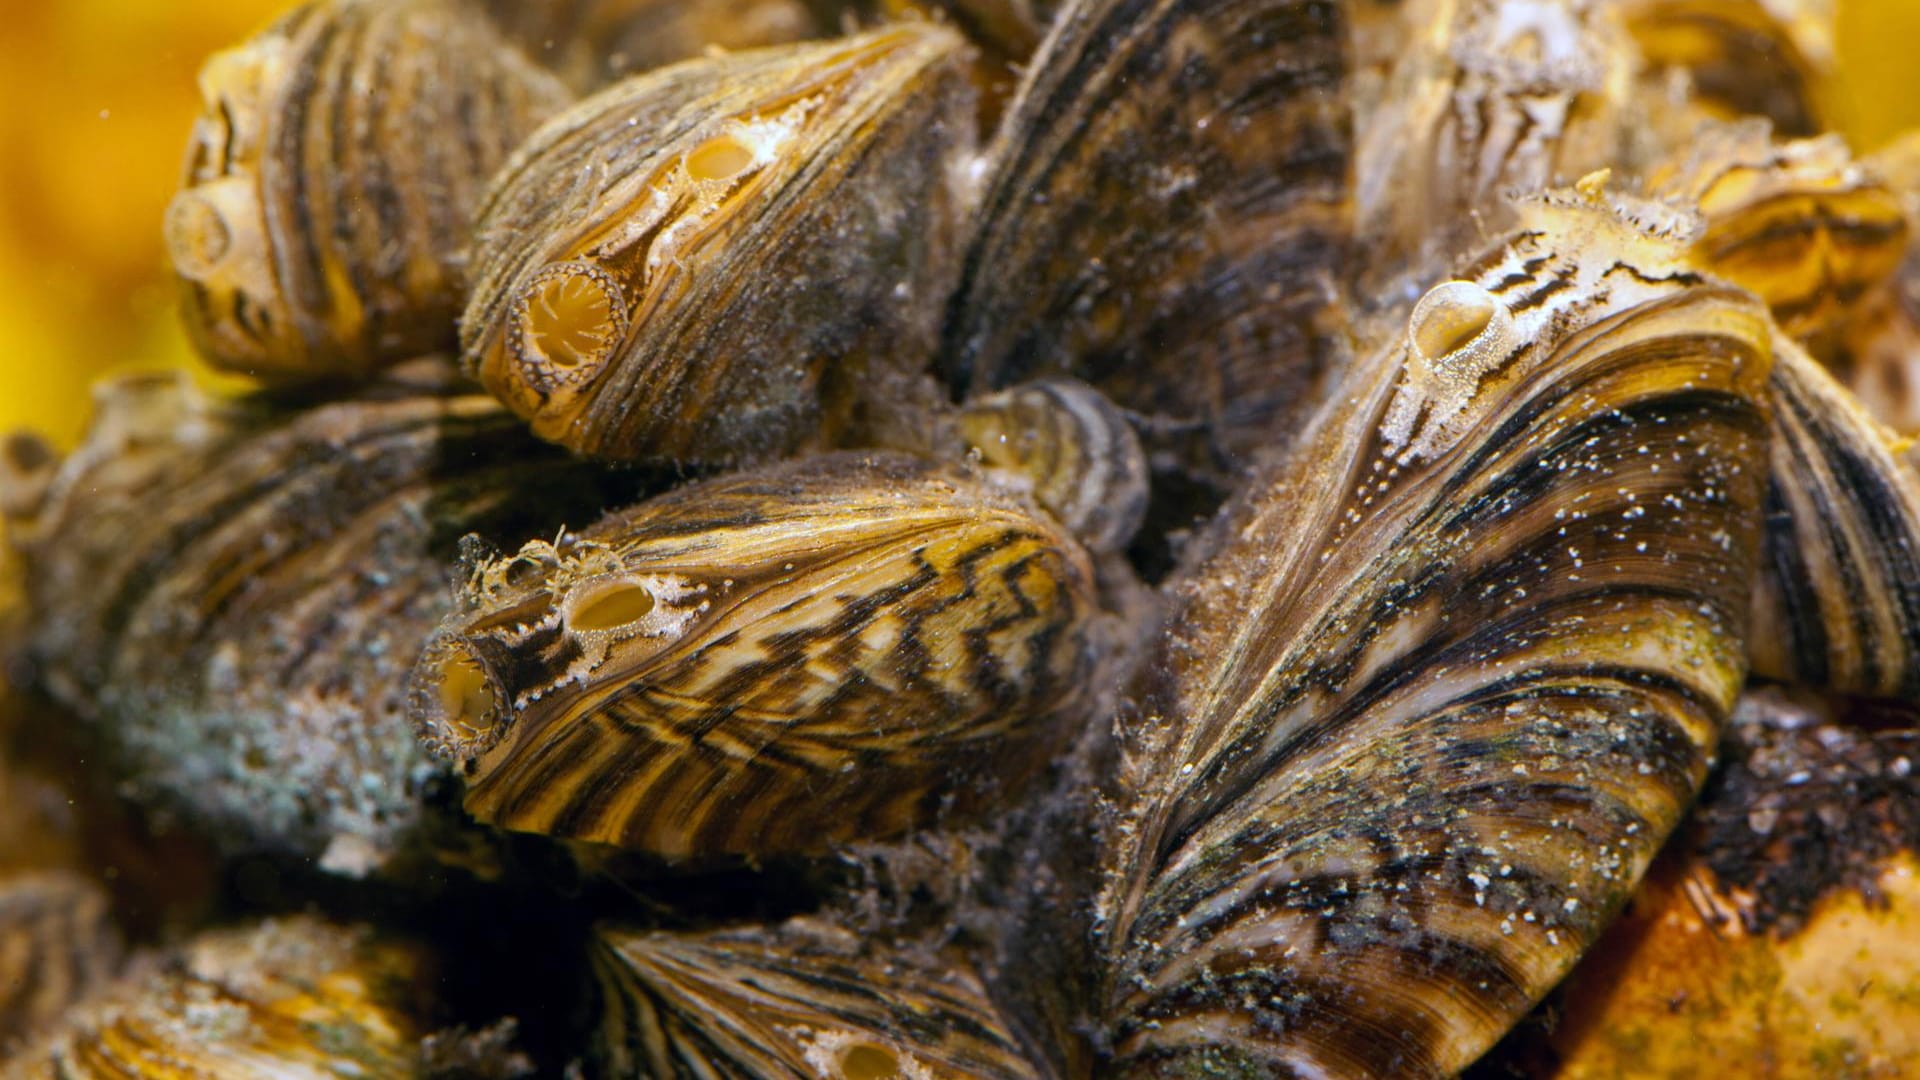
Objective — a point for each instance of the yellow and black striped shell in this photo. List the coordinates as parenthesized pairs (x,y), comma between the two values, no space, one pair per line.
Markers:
(292,997)
(57,944)
(840,648)
(234,593)
(1819,238)
(803,1000)
(1074,450)
(1165,216)
(1877,354)
(1799,223)
(322,226)
(730,258)
(1454,672)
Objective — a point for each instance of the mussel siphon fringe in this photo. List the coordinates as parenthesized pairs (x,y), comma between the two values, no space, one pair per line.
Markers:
(839,648)
(1436,699)
(1166,216)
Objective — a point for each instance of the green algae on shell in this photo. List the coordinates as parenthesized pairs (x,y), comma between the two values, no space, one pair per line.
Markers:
(836,649)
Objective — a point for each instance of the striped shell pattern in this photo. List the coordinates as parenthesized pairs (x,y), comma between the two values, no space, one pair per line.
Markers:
(1222,550)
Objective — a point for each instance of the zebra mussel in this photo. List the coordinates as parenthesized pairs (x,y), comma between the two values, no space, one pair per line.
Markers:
(1227,553)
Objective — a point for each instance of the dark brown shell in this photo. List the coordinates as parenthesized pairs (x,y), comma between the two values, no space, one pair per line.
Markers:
(1453,672)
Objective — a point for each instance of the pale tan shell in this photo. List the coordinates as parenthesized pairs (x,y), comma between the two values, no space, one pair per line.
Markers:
(1487,98)
(1070,446)
(593,43)
(57,944)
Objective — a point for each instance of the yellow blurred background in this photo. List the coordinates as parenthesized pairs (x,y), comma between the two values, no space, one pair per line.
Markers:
(96,98)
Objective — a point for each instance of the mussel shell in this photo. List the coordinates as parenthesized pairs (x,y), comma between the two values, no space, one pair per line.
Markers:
(1838,606)
(836,649)
(1452,673)
(1487,98)
(1740,57)
(730,258)
(1166,216)
(233,593)
(323,220)
(1776,933)
(1074,448)
(294,997)
(1878,354)
(796,1001)
(57,943)
(1799,223)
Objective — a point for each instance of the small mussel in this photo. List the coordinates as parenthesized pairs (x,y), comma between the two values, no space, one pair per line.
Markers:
(1453,671)
(323,222)
(56,945)
(803,1000)
(233,593)
(730,258)
(836,649)
(1074,448)
(294,997)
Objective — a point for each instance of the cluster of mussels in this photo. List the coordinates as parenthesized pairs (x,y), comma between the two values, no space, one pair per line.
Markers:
(1161,538)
